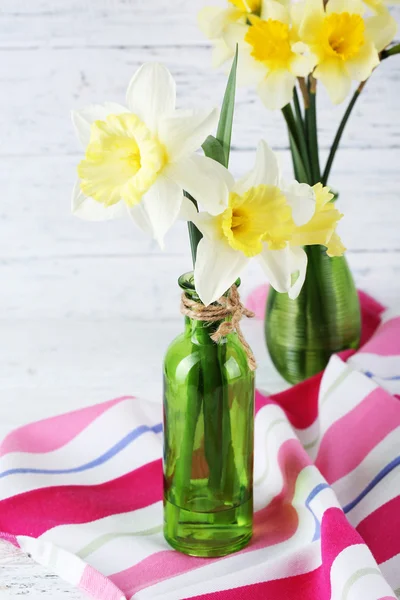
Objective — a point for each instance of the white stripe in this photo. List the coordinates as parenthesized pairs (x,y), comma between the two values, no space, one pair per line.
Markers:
(272,430)
(383,368)
(146,448)
(335,401)
(391,571)
(65,565)
(75,538)
(387,489)
(351,485)
(103,433)
(389,314)
(348,564)
(370,587)
(248,569)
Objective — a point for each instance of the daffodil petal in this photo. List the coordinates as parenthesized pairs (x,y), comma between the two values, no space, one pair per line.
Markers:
(335,77)
(301,198)
(212,20)
(275,10)
(89,209)
(303,64)
(298,264)
(185,131)
(151,94)
(276,89)
(353,7)
(381,29)
(188,210)
(361,66)
(249,70)
(217,268)
(203,178)
(158,209)
(221,53)
(281,265)
(265,172)
(83,119)
(207,225)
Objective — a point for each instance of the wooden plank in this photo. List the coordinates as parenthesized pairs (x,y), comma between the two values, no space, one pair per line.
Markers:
(41,86)
(134,289)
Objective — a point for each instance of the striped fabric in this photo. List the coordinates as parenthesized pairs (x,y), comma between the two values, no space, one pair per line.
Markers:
(82,492)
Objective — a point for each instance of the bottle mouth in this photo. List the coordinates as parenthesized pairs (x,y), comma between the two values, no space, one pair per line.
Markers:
(186,283)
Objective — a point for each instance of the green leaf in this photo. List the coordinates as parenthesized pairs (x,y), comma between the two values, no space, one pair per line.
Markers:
(214,149)
(224,132)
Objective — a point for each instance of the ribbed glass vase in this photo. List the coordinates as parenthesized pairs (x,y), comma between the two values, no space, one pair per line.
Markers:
(208,440)
(303,334)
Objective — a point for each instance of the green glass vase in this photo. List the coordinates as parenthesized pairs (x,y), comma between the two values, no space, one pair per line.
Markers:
(208,440)
(303,334)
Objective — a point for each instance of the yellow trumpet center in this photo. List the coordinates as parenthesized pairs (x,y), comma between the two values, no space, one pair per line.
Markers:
(250,6)
(270,42)
(122,161)
(262,214)
(345,34)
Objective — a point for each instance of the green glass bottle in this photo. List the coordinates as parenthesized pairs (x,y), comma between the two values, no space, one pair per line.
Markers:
(208,440)
(303,334)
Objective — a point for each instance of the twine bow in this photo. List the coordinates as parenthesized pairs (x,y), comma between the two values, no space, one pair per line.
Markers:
(226,306)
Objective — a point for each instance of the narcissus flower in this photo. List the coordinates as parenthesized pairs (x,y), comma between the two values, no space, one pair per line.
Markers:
(262,215)
(215,22)
(270,54)
(140,159)
(321,229)
(345,43)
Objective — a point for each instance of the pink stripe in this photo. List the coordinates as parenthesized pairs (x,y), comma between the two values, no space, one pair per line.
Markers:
(337,534)
(51,434)
(35,512)
(273,524)
(299,403)
(380,530)
(341,450)
(98,586)
(386,341)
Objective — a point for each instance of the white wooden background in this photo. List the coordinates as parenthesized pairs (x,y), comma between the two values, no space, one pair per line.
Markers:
(86,310)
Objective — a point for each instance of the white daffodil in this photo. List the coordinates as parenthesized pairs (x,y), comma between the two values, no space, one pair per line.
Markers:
(271,56)
(261,217)
(139,159)
(215,23)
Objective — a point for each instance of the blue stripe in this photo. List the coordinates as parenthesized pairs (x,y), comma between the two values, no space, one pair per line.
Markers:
(371,375)
(312,495)
(385,471)
(128,439)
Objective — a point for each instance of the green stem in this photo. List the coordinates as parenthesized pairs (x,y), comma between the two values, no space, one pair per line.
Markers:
(339,133)
(312,135)
(301,136)
(298,161)
(390,51)
(194,234)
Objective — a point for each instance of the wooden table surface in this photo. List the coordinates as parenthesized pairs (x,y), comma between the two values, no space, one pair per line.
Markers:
(87,310)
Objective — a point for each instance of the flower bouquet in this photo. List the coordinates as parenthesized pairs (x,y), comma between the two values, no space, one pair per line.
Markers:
(287,50)
(141,159)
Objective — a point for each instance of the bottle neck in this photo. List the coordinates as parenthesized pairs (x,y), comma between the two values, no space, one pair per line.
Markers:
(201,331)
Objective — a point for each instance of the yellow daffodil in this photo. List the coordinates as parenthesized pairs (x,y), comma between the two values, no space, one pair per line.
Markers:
(215,22)
(139,159)
(262,215)
(346,44)
(321,229)
(270,54)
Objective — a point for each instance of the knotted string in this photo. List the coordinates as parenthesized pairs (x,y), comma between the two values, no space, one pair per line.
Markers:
(226,306)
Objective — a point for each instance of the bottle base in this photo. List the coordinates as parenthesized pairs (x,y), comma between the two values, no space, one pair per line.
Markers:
(211,534)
